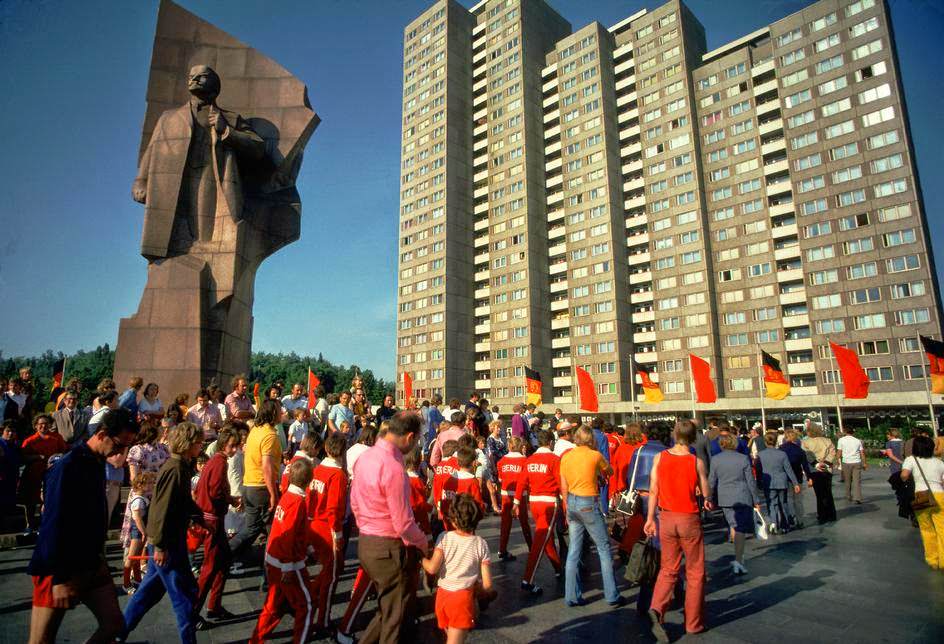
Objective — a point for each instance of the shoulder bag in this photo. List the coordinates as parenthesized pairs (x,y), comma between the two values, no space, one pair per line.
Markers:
(643,565)
(629,502)
(925,498)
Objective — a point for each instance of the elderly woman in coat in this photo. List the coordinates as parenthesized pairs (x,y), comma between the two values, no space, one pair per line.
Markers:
(735,491)
(775,475)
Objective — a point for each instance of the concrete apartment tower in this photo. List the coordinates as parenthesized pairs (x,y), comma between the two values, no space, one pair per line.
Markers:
(618,195)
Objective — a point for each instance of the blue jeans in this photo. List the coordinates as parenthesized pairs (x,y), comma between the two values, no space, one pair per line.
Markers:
(175,578)
(584,516)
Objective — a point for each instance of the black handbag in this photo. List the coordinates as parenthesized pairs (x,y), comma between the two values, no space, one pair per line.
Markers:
(643,565)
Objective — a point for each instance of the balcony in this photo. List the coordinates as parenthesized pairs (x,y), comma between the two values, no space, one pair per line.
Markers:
(483,365)
(780,209)
(762,68)
(766,108)
(480,209)
(646,357)
(550,100)
(629,81)
(479,57)
(479,293)
(558,287)
(804,344)
(800,368)
(792,275)
(640,278)
(553,115)
(550,166)
(559,305)
(562,322)
(555,215)
(637,240)
(483,385)
(551,133)
(481,329)
(482,276)
(554,181)
(628,115)
(552,149)
(640,317)
(776,167)
(549,85)
(635,202)
(481,347)
(647,336)
(630,150)
(480,100)
(794,321)
(480,192)
(481,224)
(639,258)
(481,240)
(630,132)
(555,198)
(557,249)
(803,391)
(778,188)
(561,381)
(622,67)
(560,343)
(631,167)
(771,126)
(561,362)
(550,69)
(481,258)
(626,99)
(636,220)
(773,146)
(640,298)
(557,269)
(480,176)
(480,130)
(763,88)
(555,232)
(797,297)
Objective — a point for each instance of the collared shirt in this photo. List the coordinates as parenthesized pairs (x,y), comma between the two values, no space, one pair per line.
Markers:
(129,401)
(204,418)
(380,496)
(290,404)
(236,403)
(339,413)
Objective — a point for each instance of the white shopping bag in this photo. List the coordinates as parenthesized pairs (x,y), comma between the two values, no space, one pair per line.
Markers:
(761,527)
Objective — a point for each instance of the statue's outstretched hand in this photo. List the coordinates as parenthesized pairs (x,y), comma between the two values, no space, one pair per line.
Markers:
(139,191)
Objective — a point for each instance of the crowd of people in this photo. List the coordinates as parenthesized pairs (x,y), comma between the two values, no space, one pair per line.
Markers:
(302,474)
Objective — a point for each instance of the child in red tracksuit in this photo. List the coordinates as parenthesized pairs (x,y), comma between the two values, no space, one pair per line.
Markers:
(509,469)
(285,560)
(327,502)
(308,450)
(462,481)
(541,480)
(442,471)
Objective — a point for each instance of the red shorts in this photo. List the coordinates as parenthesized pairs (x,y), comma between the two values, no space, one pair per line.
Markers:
(456,608)
(42,586)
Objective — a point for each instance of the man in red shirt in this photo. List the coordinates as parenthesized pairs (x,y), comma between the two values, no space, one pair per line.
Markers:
(327,503)
(509,469)
(462,481)
(213,498)
(285,560)
(541,480)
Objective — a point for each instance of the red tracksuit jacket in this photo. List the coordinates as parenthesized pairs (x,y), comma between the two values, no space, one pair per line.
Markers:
(283,484)
(419,502)
(327,496)
(288,537)
(540,477)
(441,473)
(509,469)
(461,482)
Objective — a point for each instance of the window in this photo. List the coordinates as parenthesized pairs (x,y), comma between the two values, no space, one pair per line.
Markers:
(850,198)
(804,140)
(858,246)
(831,86)
(831,109)
(859,271)
(886,163)
(906,290)
(912,316)
(858,7)
(879,116)
(826,301)
(736,339)
(863,27)
(830,326)
(865,295)
(819,278)
(807,162)
(878,374)
(813,207)
(869,321)
(874,94)
(796,77)
(881,140)
(891,213)
(889,188)
(811,183)
(792,100)
(820,253)
(839,129)
(867,49)
(844,151)
(815,230)
(847,174)
(830,63)
(851,222)
(900,264)
(899,237)
(771,335)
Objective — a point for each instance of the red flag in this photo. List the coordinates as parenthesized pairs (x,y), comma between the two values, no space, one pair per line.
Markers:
(701,376)
(854,378)
(588,392)
(407,390)
(313,383)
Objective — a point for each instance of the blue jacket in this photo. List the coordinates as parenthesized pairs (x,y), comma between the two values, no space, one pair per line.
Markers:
(646,455)
(715,447)
(603,446)
(774,471)
(798,460)
(732,480)
(74,524)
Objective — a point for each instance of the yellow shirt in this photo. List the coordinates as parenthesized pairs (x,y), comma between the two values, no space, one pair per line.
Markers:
(579,468)
(261,440)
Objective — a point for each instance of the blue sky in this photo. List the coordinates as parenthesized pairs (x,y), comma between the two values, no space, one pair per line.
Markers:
(73,76)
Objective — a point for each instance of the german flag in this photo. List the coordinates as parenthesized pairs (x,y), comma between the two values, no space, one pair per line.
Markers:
(651,390)
(935,351)
(532,385)
(775,382)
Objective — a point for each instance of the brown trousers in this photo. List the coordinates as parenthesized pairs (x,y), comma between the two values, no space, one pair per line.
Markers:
(392,566)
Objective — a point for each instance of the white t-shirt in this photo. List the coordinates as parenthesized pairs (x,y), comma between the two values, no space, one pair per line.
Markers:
(147,407)
(353,453)
(562,445)
(462,560)
(933,469)
(851,448)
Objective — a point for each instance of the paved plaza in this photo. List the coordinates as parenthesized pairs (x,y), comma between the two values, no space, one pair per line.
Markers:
(862,579)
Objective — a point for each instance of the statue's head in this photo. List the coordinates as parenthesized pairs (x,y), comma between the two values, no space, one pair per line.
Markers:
(203,82)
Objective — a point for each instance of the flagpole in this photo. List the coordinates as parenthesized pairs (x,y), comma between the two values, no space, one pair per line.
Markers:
(927,386)
(575,384)
(760,386)
(691,384)
(832,365)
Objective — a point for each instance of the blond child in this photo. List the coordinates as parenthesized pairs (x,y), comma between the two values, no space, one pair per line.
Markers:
(461,559)
(298,429)
(134,538)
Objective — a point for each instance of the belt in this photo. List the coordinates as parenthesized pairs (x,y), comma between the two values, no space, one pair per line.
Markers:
(543,499)
(284,567)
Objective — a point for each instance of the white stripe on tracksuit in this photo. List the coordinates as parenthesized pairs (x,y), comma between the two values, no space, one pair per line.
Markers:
(550,535)
(308,615)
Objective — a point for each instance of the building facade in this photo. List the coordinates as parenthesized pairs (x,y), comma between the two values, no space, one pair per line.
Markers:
(617,196)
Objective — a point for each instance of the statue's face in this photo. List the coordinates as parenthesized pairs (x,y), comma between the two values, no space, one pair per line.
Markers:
(203,82)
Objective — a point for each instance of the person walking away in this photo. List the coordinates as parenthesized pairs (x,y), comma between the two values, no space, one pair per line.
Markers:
(540,479)
(462,481)
(776,476)
(327,505)
(904,490)
(262,457)
(213,497)
(390,541)
(733,486)
(927,471)
(580,470)
(801,469)
(495,450)
(68,566)
(285,561)
(676,476)
(822,453)
(509,471)
(851,454)
(168,519)
(461,559)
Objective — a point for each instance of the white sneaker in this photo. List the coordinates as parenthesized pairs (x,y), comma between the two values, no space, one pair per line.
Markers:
(738,568)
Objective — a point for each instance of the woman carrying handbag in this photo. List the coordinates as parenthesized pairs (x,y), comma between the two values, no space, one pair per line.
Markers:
(928,503)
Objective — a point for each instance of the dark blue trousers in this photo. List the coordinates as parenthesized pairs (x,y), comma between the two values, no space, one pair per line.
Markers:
(176,579)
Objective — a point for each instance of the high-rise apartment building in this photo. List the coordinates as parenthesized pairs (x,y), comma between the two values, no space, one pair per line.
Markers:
(617,195)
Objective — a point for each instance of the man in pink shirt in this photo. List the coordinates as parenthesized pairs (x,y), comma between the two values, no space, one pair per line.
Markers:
(451,433)
(390,542)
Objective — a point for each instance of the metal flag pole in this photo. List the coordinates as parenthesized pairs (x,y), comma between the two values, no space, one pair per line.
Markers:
(927,387)
(832,366)
(691,384)
(760,385)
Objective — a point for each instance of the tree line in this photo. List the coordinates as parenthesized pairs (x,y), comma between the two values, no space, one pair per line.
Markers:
(91,367)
